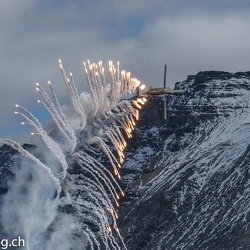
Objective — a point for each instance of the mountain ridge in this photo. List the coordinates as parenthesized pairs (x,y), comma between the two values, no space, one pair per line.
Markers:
(186,178)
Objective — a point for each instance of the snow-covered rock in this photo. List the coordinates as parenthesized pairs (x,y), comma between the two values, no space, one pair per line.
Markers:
(194,190)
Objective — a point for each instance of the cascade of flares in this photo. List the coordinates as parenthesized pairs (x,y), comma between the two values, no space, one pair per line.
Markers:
(70,85)
(110,155)
(97,175)
(117,144)
(98,164)
(51,144)
(59,118)
(120,84)
(100,184)
(63,119)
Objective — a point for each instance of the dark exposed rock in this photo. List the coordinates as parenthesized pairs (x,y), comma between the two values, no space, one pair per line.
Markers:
(192,191)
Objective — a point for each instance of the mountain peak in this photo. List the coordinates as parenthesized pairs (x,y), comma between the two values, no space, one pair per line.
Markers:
(206,76)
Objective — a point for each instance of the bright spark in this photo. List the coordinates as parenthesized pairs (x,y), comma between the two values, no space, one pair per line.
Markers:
(142,87)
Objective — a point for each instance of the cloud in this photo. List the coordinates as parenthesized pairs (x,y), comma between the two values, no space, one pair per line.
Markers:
(142,34)
(191,44)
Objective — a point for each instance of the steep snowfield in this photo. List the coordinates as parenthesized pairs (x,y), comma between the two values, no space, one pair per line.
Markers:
(197,197)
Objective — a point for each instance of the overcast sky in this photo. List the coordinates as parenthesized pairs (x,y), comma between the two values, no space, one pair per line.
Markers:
(189,35)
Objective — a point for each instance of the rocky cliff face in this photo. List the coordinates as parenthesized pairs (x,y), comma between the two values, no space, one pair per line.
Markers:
(191,190)
(187,178)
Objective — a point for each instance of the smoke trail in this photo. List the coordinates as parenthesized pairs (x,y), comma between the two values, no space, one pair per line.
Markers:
(98,85)
(53,146)
(103,168)
(73,97)
(25,153)
(106,150)
(75,94)
(104,86)
(121,135)
(106,202)
(90,85)
(116,145)
(92,170)
(89,239)
(91,208)
(65,123)
(59,120)
(30,205)
(90,79)
(58,125)
(99,172)
(80,162)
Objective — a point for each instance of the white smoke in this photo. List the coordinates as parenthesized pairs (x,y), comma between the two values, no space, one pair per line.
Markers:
(29,207)
(63,238)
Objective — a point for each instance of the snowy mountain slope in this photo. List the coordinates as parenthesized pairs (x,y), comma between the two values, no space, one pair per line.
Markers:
(197,193)
(186,179)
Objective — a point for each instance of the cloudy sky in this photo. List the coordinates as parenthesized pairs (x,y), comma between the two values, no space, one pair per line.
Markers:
(188,35)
